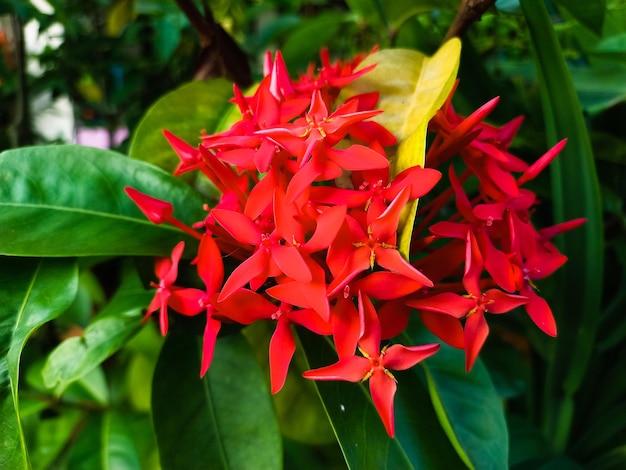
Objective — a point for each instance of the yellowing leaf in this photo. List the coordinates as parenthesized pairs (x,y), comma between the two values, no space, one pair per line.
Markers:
(119,15)
(412,88)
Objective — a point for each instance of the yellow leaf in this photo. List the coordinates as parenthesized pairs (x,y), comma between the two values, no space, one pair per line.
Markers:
(119,15)
(412,88)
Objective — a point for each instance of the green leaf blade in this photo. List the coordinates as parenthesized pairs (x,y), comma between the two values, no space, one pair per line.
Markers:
(206,106)
(224,420)
(419,442)
(77,194)
(472,419)
(33,292)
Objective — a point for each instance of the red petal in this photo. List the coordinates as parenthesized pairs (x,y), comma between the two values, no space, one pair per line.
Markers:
(187,301)
(386,225)
(539,312)
(398,357)
(238,226)
(383,389)
(357,157)
(384,285)
(391,259)
(475,333)
(328,224)
(370,341)
(290,261)
(211,330)
(358,262)
(350,369)
(445,327)
(501,302)
(246,307)
(394,317)
(156,210)
(449,229)
(473,265)
(249,269)
(282,348)
(210,265)
(447,303)
(347,327)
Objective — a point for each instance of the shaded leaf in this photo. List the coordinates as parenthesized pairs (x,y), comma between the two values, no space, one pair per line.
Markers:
(419,442)
(302,45)
(34,291)
(589,14)
(77,194)
(474,419)
(224,420)
(575,191)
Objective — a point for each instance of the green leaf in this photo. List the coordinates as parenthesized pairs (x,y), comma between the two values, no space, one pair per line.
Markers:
(419,442)
(223,421)
(68,200)
(412,88)
(576,193)
(303,44)
(467,404)
(48,436)
(116,323)
(589,14)
(105,443)
(298,409)
(185,112)
(34,291)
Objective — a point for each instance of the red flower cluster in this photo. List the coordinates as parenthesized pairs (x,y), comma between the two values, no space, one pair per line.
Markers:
(311,212)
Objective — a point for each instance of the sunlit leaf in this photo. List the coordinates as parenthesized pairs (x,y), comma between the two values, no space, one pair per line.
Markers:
(185,112)
(412,88)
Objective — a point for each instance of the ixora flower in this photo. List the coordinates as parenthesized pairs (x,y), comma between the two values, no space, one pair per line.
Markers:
(306,229)
(375,364)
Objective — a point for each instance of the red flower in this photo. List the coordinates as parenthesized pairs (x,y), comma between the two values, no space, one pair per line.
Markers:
(375,364)
(166,270)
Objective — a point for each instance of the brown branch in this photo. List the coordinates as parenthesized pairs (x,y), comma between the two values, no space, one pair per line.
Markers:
(468,13)
(220,55)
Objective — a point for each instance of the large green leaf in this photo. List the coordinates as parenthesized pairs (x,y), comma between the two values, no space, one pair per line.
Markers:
(185,112)
(420,441)
(114,325)
(412,88)
(223,421)
(576,193)
(467,404)
(68,200)
(34,291)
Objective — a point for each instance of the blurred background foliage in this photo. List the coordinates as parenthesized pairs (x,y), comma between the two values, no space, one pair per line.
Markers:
(115,58)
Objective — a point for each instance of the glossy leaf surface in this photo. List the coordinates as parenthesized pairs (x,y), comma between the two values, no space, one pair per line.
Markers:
(474,419)
(185,112)
(77,194)
(420,441)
